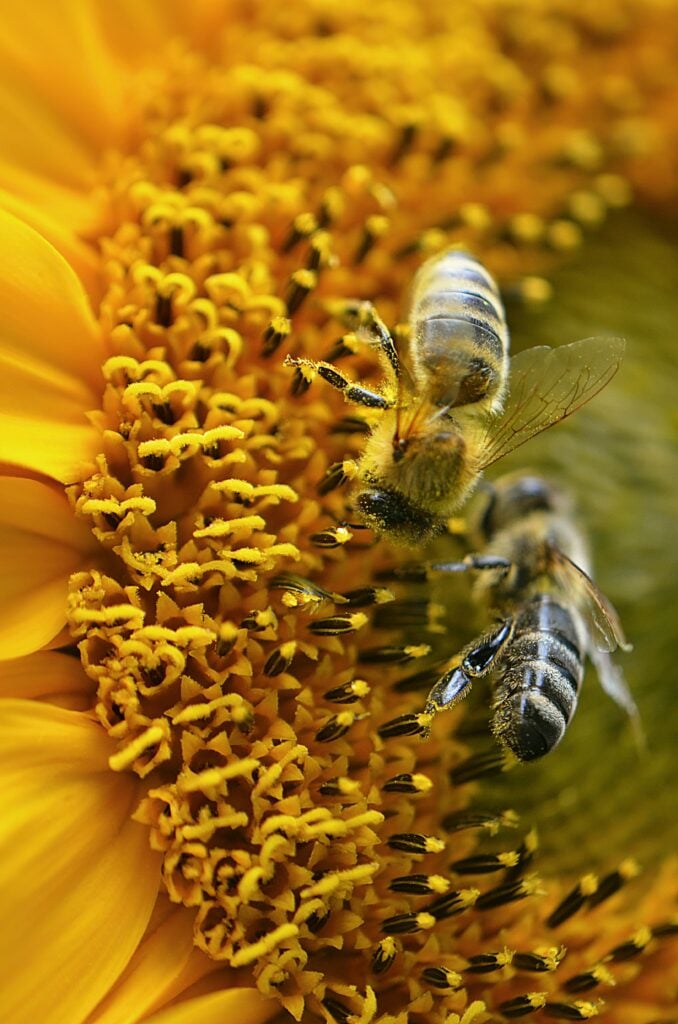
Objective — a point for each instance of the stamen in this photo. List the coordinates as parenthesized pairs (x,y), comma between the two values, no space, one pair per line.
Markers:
(393,655)
(632,947)
(348,693)
(301,284)
(507,893)
(337,625)
(452,903)
(420,885)
(408,783)
(406,725)
(408,924)
(277,331)
(483,864)
(574,901)
(586,980)
(487,963)
(442,977)
(336,727)
(613,882)
(334,537)
(458,821)
(384,955)
(412,842)
(523,1006)
(578,1010)
(540,961)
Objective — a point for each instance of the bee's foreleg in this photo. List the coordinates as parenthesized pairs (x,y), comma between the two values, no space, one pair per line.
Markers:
(308,369)
(419,572)
(363,319)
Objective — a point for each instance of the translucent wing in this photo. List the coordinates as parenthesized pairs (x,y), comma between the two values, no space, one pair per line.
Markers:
(545,386)
(615,686)
(607,633)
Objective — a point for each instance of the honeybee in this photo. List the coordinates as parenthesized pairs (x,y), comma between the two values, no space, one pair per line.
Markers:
(450,408)
(533,575)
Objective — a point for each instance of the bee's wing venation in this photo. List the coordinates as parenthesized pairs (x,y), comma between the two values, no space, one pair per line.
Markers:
(607,632)
(546,385)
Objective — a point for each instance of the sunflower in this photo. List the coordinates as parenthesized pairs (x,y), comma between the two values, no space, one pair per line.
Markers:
(206,814)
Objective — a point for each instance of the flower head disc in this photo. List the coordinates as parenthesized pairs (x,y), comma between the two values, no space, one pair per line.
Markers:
(247,661)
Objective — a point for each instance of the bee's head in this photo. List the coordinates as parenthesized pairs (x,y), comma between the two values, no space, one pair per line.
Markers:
(391,512)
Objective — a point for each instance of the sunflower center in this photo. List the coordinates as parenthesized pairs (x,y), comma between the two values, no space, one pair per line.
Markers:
(225,624)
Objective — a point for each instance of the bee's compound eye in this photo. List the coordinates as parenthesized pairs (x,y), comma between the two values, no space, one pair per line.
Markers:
(390,512)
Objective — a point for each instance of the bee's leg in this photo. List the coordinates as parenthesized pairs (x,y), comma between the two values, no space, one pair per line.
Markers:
(453,686)
(476,660)
(422,571)
(362,318)
(307,370)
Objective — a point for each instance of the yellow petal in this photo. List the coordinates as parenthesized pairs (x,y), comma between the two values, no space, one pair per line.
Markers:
(51,352)
(41,544)
(165,964)
(60,77)
(77,877)
(244,1005)
(82,257)
(47,675)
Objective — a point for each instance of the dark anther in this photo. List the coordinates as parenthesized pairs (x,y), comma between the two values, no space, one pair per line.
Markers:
(401,924)
(332,730)
(410,842)
(163,310)
(501,895)
(200,353)
(445,148)
(574,900)
(337,1010)
(404,143)
(566,1011)
(440,977)
(176,241)
(417,885)
(521,1006)
(316,921)
(404,783)
(276,664)
(403,725)
(485,963)
(383,956)
(163,410)
(153,462)
(349,424)
(334,477)
(345,694)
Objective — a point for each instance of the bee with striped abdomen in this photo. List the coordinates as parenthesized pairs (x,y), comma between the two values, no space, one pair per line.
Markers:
(449,406)
(533,576)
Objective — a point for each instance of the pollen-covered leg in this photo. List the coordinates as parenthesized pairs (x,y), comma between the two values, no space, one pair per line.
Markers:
(419,572)
(363,318)
(308,369)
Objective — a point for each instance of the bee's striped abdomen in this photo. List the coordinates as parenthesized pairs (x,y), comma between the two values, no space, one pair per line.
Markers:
(458,320)
(538,686)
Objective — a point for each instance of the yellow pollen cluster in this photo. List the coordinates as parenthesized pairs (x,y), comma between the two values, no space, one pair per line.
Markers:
(243,653)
